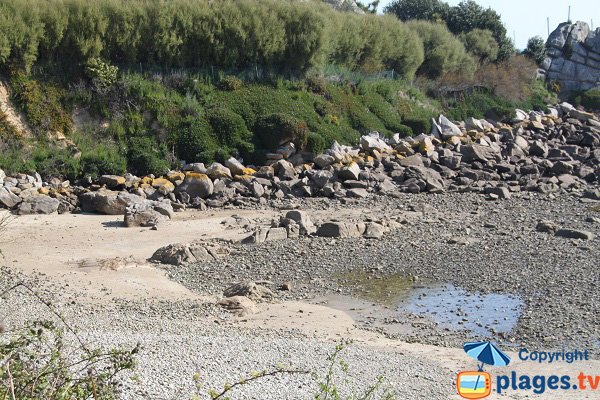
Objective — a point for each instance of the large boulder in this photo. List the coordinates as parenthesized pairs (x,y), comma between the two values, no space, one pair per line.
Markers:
(38,205)
(188,253)
(350,172)
(236,167)
(218,171)
(477,152)
(8,199)
(196,185)
(143,214)
(107,201)
(374,141)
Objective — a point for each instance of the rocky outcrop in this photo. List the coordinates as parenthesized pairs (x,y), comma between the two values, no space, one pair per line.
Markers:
(573,57)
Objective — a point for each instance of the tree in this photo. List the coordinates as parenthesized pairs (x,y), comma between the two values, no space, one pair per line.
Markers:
(368,7)
(536,49)
(481,43)
(468,15)
(430,10)
(463,18)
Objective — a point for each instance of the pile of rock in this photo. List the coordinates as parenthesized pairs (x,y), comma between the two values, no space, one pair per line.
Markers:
(189,253)
(556,150)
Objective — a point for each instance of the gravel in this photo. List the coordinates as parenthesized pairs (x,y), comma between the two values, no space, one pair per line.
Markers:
(556,278)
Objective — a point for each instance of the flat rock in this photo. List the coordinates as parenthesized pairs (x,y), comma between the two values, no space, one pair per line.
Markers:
(574,234)
(38,205)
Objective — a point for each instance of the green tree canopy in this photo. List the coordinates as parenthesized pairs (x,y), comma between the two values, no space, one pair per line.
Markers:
(536,49)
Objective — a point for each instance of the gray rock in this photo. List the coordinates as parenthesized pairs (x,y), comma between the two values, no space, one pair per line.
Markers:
(196,185)
(303,220)
(188,253)
(546,226)
(477,152)
(38,205)
(350,172)
(338,230)
(143,215)
(324,160)
(249,289)
(410,161)
(236,167)
(218,171)
(241,306)
(500,192)
(8,198)
(276,234)
(574,234)
(357,193)
(284,170)
(321,178)
(374,230)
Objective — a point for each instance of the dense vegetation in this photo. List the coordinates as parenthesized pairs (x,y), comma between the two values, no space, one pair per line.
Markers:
(164,81)
(460,19)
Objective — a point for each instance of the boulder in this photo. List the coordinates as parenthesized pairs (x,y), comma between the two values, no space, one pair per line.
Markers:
(321,178)
(575,234)
(188,253)
(251,290)
(239,305)
(236,167)
(107,201)
(374,230)
(196,185)
(284,170)
(374,141)
(303,220)
(143,215)
(8,199)
(38,205)
(323,160)
(218,171)
(338,230)
(349,172)
(476,152)
(112,181)
(448,128)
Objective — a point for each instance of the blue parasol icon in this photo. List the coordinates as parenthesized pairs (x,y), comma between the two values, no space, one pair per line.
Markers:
(486,353)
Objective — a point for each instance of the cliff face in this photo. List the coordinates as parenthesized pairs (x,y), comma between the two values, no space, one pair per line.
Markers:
(574,56)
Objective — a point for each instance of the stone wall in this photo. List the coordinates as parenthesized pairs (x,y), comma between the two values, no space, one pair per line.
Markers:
(573,57)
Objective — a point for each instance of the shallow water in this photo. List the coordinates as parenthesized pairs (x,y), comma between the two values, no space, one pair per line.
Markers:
(449,306)
(455,308)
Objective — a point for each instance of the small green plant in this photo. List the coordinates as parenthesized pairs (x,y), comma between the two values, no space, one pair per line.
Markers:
(101,74)
(591,99)
(276,129)
(329,389)
(230,83)
(39,362)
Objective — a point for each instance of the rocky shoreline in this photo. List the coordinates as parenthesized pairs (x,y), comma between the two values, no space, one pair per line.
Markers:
(558,150)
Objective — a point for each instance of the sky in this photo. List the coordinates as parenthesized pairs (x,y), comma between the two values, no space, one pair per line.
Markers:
(527,18)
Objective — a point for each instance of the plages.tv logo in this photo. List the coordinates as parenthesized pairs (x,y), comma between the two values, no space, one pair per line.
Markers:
(478,384)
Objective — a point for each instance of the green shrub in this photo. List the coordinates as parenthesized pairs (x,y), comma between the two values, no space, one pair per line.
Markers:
(42,104)
(228,127)
(103,160)
(444,52)
(101,74)
(145,157)
(276,129)
(315,143)
(195,143)
(481,43)
(591,99)
(230,83)
(50,162)
(482,106)
(405,131)
(418,125)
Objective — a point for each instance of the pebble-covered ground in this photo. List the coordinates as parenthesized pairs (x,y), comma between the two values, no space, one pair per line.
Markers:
(479,245)
(447,238)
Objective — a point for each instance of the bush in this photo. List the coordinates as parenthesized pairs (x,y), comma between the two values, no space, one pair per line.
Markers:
(228,127)
(276,129)
(404,131)
(195,143)
(315,143)
(101,74)
(42,104)
(230,83)
(103,160)
(482,106)
(418,125)
(60,163)
(145,157)
(536,49)
(591,99)
(481,43)
(444,52)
